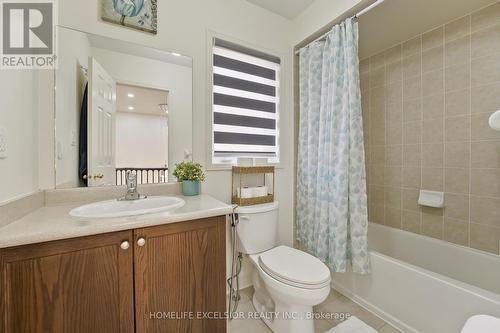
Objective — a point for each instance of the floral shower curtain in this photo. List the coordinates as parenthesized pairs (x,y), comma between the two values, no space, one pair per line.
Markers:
(331,214)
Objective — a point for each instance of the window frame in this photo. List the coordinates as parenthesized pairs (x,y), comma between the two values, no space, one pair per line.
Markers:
(210,165)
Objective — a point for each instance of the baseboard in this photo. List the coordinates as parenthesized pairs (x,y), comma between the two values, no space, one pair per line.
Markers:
(374,309)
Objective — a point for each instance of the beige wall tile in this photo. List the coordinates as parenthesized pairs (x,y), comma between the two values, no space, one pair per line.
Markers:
(364,65)
(376,214)
(433,106)
(412,155)
(394,112)
(433,59)
(485,70)
(394,135)
(433,179)
(377,175)
(393,54)
(457,103)
(377,155)
(377,61)
(364,82)
(456,206)
(377,77)
(486,41)
(485,98)
(457,154)
(412,132)
(394,72)
(394,93)
(394,155)
(411,177)
(485,154)
(393,217)
(433,38)
(484,238)
(433,130)
(457,29)
(486,16)
(377,101)
(456,231)
(432,83)
(410,200)
(457,52)
(393,197)
(412,88)
(376,195)
(433,155)
(432,223)
(412,46)
(457,180)
(393,176)
(411,221)
(412,65)
(457,78)
(412,109)
(485,210)
(457,128)
(485,182)
(480,130)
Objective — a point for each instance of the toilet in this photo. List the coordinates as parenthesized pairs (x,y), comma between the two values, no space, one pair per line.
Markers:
(287,282)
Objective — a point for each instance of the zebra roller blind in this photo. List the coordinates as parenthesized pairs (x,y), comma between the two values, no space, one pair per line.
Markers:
(245,102)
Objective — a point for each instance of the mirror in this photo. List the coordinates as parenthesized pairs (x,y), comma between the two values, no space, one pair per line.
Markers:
(120,107)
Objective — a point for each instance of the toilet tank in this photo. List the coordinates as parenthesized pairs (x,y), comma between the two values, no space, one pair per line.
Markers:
(257,230)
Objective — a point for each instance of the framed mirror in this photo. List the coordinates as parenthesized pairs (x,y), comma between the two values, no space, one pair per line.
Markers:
(119,107)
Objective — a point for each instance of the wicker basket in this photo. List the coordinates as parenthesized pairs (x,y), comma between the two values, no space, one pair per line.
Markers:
(239,180)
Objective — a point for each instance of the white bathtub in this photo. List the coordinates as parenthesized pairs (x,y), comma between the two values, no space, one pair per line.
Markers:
(420,284)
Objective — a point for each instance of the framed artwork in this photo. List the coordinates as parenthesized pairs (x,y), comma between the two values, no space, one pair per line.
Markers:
(135,14)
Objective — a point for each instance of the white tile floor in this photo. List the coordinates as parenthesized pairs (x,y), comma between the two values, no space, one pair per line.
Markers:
(335,303)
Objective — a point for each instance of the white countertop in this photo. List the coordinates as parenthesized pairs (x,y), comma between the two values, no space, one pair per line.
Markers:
(54,222)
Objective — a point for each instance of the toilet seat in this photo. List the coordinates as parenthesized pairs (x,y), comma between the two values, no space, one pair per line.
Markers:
(294,268)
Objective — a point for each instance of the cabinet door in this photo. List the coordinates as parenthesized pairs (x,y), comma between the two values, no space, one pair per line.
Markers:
(73,285)
(180,272)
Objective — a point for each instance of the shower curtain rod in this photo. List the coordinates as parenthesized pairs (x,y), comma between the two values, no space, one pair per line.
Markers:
(361,12)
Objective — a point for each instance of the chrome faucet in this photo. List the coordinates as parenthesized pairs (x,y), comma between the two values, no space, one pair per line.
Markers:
(132,193)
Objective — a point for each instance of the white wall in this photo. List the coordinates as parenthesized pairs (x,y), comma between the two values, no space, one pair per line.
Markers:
(74,52)
(141,140)
(184,27)
(18,120)
(318,15)
(130,69)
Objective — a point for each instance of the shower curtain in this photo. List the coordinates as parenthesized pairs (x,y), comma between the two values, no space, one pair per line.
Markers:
(331,214)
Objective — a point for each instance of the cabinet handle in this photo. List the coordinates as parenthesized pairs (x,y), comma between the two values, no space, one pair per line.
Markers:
(141,242)
(125,245)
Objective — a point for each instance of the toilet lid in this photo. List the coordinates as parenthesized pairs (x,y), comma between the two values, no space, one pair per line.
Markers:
(295,267)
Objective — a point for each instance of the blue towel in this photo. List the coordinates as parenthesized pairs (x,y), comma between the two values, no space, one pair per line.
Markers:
(82,149)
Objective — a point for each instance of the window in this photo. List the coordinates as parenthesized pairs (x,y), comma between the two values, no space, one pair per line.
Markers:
(245,104)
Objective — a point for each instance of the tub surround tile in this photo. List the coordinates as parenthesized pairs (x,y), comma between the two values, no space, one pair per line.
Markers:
(440,89)
(484,238)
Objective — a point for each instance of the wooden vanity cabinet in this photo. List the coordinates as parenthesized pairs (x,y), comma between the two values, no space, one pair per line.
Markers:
(121,282)
(73,285)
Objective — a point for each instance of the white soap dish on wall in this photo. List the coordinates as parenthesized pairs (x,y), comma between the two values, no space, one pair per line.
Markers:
(431,199)
(494,121)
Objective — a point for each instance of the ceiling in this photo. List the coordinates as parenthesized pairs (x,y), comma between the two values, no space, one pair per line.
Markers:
(395,21)
(144,101)
(286,8)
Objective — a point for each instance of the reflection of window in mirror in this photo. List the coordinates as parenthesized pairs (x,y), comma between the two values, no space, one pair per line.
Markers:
(141,133)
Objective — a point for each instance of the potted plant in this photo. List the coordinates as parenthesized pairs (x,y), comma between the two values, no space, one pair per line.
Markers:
(190,174)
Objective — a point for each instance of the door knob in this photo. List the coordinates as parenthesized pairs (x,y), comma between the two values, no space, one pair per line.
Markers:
(125,245)
(141,242)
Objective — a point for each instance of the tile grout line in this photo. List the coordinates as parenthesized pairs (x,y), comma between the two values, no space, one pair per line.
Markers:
(470,132)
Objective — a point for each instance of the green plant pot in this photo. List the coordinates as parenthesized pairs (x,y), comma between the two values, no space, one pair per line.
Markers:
(190,187)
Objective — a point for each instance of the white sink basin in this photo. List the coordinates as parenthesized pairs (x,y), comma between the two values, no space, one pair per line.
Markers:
(116,208)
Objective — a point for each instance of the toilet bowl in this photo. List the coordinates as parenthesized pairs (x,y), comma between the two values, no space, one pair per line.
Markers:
(287,282)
